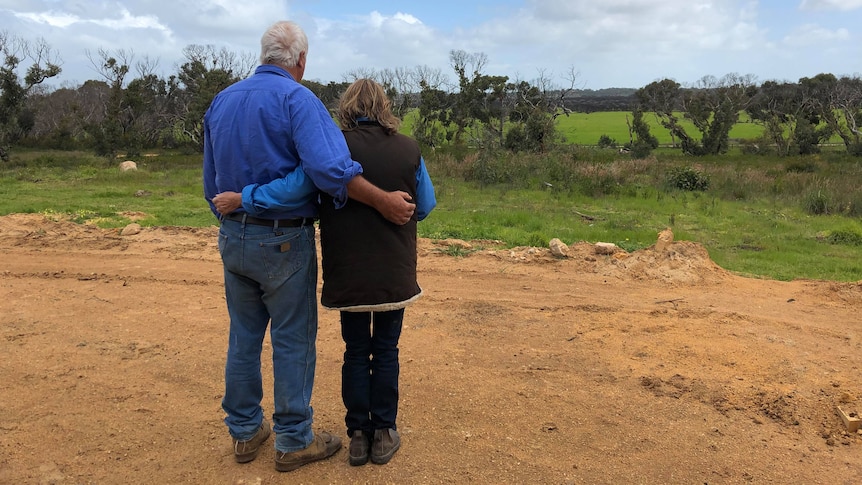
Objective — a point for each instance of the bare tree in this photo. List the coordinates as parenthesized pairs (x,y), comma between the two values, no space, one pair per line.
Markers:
(359,73)
(112,66)
(433,77)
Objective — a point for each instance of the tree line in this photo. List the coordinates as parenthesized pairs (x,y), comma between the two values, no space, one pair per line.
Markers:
(797,117)
(129,108)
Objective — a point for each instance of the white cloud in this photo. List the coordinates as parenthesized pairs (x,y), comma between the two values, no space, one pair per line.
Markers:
(811,35)
(53,19)
(842,5)
(374,41)
(128,21)
(623,40)
(625,43)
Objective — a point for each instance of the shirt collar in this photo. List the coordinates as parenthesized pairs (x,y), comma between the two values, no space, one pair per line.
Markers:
(272,69)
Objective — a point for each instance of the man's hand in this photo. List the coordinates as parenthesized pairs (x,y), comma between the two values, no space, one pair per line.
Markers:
(396,206)
(227,202)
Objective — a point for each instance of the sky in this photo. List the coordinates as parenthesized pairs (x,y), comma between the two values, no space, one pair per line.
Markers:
(606,43)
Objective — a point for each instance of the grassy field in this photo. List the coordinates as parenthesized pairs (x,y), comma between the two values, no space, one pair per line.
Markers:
(167,188)
(586,128)
(759,216)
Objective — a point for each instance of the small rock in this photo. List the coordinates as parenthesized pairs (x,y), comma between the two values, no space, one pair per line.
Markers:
(458,243)
(559,248)
(665,238)
(131,230)
(128,165)
(605,248)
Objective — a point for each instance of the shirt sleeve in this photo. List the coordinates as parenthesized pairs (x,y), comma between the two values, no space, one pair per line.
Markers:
(322,150)
(427,201)
(282,195)
(209,176)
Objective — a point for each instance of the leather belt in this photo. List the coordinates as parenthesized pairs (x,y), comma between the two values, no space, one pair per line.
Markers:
(275,223)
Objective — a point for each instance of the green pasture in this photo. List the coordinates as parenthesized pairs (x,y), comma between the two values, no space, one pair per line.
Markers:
(798,217)
(586,128)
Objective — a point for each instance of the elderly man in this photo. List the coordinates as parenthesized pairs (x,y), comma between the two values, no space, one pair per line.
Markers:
(262,131)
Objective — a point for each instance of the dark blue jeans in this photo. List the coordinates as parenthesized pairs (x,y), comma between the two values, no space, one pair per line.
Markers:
(369,375)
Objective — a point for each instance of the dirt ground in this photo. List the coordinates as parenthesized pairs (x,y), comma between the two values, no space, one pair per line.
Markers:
(517,367)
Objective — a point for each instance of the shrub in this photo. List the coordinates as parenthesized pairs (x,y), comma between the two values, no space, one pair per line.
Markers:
(688,179)
(846,237)
(607,142)
(597,180)
(641,149)
(493,168)
(817,203)
(516,139)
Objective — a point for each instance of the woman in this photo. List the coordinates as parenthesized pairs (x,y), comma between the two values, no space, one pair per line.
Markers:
(369,269)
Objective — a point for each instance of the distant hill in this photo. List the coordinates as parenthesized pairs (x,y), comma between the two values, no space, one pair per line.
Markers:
(611,92)
(608,99)
(593,100)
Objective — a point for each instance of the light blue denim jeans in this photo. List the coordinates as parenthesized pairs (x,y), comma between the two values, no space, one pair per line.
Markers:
(270,277)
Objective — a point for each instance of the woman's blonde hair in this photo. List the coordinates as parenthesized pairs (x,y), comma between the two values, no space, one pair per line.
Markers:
(366,98)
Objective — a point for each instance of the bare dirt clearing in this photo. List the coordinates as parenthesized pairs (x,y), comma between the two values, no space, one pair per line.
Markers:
(517,367)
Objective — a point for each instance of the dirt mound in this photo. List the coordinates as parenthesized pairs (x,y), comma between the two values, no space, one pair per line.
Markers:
(676,263)
(680,262)
(58,232)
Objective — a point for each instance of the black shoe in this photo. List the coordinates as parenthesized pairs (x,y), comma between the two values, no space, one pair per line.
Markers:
(386,443)
(358,448)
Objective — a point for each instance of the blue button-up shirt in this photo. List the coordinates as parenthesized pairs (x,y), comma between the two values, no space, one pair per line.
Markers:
(259,131)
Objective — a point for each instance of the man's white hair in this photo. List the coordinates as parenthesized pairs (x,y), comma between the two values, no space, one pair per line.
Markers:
(282,44)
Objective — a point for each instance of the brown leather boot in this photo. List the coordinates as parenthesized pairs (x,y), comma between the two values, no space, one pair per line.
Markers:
(246,451)
(323,446)
(359,444)
(386,443)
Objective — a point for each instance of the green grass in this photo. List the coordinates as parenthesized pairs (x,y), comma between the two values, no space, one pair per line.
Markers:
(586,128)
(754,219)
(752,238)
(167,189)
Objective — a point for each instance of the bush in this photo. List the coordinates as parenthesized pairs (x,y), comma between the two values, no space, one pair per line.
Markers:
(641,149)
(607,142)
(493,168)
(817,203)
(516,139)
(845,237)
(688,179)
